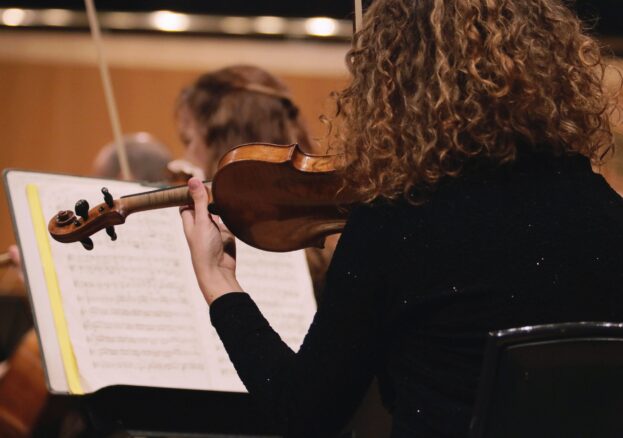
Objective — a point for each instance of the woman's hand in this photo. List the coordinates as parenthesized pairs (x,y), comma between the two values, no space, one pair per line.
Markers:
(16,259)
(212,246)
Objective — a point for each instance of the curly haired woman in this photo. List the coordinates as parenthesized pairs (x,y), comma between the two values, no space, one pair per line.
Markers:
(468,129)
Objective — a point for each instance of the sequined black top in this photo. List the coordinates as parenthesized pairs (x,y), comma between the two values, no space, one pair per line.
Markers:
(412,291)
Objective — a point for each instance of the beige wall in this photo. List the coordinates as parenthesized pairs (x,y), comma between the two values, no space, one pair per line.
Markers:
(52,111)
(53,116)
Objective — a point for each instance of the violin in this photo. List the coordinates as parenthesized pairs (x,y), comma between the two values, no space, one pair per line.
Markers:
(272,197)
(25,377)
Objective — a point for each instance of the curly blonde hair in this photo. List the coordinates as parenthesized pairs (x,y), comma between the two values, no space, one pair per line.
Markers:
(439,83)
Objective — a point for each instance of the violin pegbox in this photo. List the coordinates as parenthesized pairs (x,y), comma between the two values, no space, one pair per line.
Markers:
(108,199)
(67,227)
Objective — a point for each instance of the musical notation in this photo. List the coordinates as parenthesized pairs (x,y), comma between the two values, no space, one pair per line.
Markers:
(135,313)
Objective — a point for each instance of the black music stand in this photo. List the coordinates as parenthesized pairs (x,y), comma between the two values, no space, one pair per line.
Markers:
(128,411)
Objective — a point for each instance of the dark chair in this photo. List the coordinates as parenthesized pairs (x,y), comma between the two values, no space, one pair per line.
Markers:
(559,380)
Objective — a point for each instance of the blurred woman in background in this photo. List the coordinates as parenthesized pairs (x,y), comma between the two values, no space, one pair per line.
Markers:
(232,106)
(237,105)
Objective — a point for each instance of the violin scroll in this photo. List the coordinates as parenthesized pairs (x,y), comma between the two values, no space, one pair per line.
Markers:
(67,227)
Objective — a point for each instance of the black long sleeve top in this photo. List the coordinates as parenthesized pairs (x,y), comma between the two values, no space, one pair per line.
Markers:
(412,291)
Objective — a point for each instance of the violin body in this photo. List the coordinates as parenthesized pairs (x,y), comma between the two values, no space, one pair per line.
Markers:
(275,198)
(279,198)
(23,393)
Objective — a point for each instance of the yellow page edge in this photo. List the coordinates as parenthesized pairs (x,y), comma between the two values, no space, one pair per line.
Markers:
(70,364)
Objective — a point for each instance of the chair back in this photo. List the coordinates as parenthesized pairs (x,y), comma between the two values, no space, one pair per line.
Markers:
(558,380)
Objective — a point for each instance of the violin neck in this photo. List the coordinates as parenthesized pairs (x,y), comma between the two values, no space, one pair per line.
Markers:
(163,198)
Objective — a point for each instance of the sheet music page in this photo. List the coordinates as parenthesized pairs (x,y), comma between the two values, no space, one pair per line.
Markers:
(134,310)
(281,286)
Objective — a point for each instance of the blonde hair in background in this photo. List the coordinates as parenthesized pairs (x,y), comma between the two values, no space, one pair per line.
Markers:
(243,104)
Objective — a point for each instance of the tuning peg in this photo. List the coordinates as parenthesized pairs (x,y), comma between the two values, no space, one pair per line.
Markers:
(87,243)
(82,209)
(107,197)
(111,232)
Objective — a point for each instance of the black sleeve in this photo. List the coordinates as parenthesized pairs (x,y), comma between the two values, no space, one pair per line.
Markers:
(313,393)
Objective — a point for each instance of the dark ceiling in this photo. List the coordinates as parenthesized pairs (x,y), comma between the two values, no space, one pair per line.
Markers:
(606,16)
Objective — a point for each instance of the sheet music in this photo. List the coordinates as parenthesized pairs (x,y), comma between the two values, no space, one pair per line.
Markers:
(133,308)
(281,287)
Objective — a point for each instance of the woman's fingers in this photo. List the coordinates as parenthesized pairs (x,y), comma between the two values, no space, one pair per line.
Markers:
(14,255)
(188,220)
(199,195)
(229,241)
